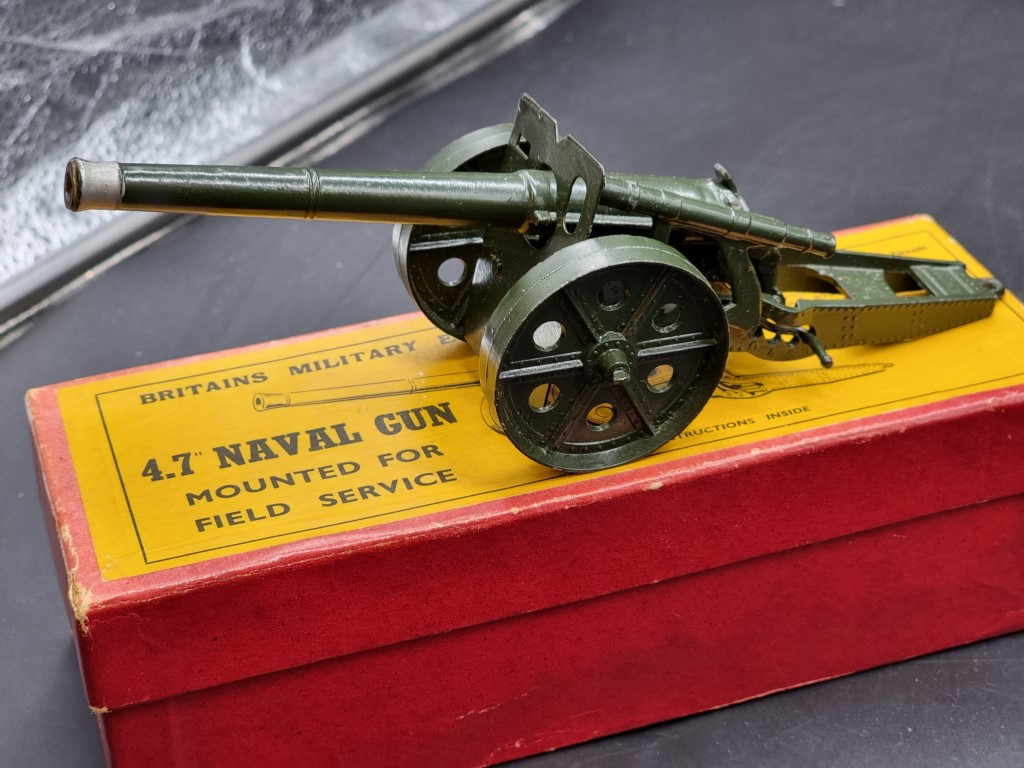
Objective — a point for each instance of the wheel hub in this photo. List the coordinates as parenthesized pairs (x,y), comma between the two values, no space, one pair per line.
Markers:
(610,360)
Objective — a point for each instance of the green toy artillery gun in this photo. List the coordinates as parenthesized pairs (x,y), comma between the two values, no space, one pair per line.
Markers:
(603,306)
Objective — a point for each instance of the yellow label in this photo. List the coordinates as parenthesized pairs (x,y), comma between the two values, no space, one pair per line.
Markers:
(196,460)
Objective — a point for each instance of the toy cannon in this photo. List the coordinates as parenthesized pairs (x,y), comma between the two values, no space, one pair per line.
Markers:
(602,306)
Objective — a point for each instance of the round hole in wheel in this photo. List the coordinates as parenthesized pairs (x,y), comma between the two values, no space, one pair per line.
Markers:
(612,295)
(667,317)
(452,271)
(600,417)
(660,379)
(548,335)
(543,397)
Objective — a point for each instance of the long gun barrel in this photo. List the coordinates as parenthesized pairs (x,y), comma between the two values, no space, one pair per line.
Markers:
(267,401)
(515,200)
(305,193)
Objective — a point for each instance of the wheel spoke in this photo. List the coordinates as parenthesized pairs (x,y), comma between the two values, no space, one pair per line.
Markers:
(456,307)
(665,371)
(582,311)
(449,241)
(541,368)
(576,412)
(645,308)
(637,402)
(667,346)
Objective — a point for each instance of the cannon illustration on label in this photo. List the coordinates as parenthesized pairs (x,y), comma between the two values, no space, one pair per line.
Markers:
(602,305)
(731,385)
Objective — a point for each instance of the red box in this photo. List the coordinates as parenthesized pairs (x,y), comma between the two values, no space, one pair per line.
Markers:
(506,624)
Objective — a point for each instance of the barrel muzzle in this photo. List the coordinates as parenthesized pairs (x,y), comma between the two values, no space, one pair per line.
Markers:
(92,185)
(267,401)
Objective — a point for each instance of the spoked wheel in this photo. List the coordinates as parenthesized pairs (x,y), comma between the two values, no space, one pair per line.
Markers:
(603,352)
(437,263)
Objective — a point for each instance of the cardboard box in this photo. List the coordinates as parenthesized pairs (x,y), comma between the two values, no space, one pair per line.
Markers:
(316,551)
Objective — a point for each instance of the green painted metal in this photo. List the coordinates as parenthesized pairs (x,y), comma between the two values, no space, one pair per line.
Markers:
(602,305)
(591,361)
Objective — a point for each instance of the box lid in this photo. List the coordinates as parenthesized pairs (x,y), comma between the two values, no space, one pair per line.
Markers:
(242,512)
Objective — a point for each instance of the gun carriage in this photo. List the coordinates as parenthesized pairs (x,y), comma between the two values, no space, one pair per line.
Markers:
(602,306)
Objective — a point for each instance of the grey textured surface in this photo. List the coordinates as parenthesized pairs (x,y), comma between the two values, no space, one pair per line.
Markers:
(828,114)
(171,81)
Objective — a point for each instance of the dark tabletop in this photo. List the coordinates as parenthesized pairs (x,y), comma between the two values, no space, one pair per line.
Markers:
(830,114)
